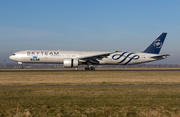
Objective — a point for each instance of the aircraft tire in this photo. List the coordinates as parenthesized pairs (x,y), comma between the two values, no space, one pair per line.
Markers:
(86,68)
(92,68)
(89,68)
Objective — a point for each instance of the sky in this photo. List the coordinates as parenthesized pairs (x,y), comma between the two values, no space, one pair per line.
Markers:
(89,25)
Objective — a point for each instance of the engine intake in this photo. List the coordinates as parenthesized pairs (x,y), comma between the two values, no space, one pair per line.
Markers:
(69,62)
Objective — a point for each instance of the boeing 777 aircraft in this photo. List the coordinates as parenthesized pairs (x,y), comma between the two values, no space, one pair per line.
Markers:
(72,59)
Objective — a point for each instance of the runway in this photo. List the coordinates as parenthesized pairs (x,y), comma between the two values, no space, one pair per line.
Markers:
(80,87)
(97,69)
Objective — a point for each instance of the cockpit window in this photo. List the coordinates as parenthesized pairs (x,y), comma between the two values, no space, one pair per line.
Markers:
(13,54)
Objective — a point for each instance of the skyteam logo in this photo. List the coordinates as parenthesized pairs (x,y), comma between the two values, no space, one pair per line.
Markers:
(157,43)
(34,58)
(125,57)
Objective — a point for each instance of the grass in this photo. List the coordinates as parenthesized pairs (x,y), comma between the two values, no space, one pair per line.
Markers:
(90,102)
(90,78)
(131,102)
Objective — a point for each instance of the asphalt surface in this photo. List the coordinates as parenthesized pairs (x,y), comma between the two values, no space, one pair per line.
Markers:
(80,87)
(97,69)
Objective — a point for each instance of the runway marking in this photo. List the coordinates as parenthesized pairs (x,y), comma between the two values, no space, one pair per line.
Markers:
(78,87)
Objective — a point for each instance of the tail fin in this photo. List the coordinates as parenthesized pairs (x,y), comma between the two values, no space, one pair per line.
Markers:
(156,45)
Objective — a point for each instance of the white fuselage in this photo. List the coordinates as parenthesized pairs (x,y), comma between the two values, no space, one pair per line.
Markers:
(72,59)
(57,57)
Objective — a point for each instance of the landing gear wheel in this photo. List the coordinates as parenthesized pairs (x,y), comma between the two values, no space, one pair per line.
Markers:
(89,68)
(86,68)
(21,67)
(92,68)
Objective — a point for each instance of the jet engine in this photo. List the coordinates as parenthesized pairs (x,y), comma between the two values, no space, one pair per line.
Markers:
(69,62)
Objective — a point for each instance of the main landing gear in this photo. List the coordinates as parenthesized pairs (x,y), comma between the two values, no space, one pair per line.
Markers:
(90,68)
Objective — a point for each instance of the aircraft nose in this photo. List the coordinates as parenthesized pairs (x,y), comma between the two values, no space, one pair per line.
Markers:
(15,57)
(10,57)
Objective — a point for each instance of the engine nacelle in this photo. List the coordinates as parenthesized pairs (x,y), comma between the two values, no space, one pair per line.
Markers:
(69,62)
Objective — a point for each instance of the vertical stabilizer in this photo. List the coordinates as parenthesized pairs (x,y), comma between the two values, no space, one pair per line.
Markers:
(156,45)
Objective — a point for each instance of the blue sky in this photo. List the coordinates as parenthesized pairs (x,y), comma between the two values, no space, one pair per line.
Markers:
(93,25)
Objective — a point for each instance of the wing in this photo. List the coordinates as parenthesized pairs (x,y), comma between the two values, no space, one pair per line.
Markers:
(94,58)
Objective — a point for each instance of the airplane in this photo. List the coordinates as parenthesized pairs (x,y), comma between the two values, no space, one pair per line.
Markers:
(72,59)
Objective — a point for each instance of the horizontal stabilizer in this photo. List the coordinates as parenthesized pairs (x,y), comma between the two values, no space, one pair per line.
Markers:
(161,56)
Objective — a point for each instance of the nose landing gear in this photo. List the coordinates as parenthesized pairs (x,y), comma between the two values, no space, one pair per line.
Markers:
(21,65)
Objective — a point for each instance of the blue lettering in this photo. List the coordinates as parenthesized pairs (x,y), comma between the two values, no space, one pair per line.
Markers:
(56,53)
(34,58)
(46,53)
(50,53)
(28,53)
